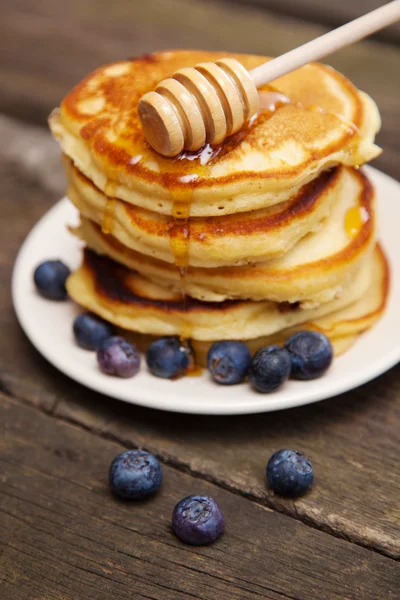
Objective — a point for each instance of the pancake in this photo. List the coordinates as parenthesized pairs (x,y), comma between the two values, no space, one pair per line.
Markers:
(130,301)
(215,241)
(342,327)
(327,122)
(314,271)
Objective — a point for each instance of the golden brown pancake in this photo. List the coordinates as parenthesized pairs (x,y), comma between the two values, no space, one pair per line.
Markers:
(315,270)
(129,300)
(342,327)
(280,223)
(327,122)
(214,241)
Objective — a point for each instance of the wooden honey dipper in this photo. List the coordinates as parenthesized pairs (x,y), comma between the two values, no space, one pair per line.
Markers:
(210,101)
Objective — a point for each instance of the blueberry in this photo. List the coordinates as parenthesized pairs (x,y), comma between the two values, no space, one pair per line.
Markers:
(197,520)
(269,369)
(90,331)
(117,356)
(167,358)
(310,353)
(135,474)
(289,473)
(228,362)
(50,277)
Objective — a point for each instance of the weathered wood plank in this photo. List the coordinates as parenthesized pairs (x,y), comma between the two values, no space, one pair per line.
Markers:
(353,440)
(332,14)
(64,536)
(47,47)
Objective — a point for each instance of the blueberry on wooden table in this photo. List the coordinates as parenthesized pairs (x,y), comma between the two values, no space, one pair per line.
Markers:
(289,473)
(167,357)
(90,331)
(135,475)
(269,369)
(116,356)
(197,520)
(50,278)
(311,354)
(228,362)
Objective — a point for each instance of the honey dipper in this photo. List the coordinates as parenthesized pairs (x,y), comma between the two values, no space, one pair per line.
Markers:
(210,101)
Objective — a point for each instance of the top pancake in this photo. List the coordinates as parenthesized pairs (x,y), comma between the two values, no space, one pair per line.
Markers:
(327,122)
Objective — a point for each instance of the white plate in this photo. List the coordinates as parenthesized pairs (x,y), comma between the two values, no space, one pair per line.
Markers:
(49,327)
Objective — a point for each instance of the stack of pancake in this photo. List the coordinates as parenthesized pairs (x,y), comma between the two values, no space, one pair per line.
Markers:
(271,232)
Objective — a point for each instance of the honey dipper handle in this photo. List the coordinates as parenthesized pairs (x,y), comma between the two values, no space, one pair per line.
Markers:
(327,43)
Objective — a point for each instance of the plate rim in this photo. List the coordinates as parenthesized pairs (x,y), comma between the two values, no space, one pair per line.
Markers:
(258,403)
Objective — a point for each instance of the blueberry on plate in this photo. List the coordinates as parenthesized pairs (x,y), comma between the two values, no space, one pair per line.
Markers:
(269,369)
(228,362)
(197,520)
(167,357)
(50,277)
(135,474)
(289,473)
(311,354)
(117,356)
(90,331)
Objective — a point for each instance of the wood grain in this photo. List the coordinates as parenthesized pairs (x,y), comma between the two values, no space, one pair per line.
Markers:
(65,537)
(352,440)
(46,47)
(331,14)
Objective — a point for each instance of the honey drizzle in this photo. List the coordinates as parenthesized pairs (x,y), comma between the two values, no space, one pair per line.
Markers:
(271,100)
(179,233)
(354,219)
(107,225)
(179,237)
(194,371)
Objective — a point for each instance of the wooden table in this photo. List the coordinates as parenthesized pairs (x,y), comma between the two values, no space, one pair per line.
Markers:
(63,536)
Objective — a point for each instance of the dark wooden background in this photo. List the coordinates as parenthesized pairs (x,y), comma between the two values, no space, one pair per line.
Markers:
(62,534)
(327,12)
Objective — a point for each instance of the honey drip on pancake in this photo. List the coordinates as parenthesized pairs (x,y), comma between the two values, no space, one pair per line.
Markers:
(194,371)
(107,225)
(110,189)
(271,100)
(179,233)
(354,219)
